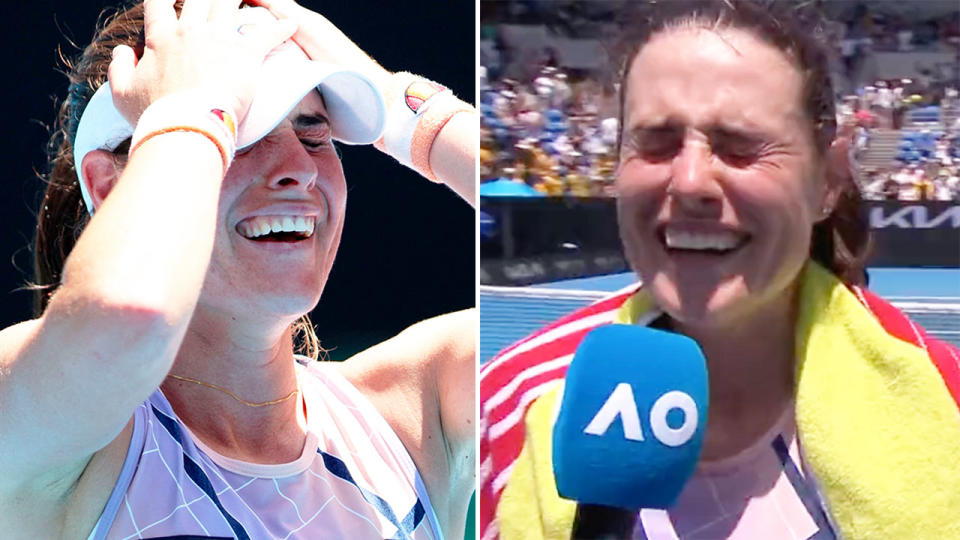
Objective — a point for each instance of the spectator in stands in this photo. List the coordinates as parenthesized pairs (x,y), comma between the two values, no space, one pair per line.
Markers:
(905,39)
(891,188)
(907,180)
(942,186)
(884,103)
(872,187)
(925,188)
(738,211)
(899,106)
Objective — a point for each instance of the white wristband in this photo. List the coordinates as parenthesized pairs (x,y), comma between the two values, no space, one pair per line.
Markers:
(417,109)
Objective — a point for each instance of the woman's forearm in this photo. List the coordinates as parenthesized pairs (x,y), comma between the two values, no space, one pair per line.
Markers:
(453,156)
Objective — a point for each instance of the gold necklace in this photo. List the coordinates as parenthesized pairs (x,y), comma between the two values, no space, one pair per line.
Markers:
(234,396)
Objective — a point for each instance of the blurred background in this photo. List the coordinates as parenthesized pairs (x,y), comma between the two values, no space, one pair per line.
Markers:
(549,239)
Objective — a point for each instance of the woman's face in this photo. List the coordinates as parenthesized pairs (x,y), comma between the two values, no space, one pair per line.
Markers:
(719,182)
(294,175)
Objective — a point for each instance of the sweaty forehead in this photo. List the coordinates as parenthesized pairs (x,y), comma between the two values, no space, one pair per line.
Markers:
(704,76)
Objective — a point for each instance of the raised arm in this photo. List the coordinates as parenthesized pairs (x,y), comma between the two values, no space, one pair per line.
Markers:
(70,379)
(452,156)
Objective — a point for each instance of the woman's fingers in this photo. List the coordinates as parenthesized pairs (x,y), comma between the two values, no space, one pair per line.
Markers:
(280,8)
(203,49)
(121,76)
(159,17)
(224,10)
(121,69)
(321,39)
(195,12)
(263,38)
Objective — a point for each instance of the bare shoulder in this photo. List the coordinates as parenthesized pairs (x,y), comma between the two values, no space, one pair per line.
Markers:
(68,493)
(67,501)
(421,347)
(14,338)
(430,366)
(423,383)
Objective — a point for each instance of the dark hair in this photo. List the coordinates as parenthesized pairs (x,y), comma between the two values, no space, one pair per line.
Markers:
(841,242)
(63,215)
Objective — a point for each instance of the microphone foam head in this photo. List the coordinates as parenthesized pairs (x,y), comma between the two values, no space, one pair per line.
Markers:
(632,418)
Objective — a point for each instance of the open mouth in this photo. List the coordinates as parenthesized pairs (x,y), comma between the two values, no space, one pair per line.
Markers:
(718,242)
(277,228)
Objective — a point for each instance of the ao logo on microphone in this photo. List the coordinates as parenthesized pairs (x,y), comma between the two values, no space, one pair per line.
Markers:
(622,404)
(655,383)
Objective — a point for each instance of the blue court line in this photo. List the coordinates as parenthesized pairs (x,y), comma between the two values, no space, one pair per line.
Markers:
(942,283)
(607,283)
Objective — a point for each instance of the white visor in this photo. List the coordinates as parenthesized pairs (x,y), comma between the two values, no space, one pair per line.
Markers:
(354,106)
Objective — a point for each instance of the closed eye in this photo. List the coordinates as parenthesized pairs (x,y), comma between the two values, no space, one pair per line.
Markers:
(314,144)
(314,131)
(736,148)
(655,144)
(738,156)
(316,139)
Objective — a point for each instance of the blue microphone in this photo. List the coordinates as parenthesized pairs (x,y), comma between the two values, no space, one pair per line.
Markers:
(631,421)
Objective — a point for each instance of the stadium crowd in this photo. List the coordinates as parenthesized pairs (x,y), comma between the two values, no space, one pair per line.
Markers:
(926,156)
(549,134)
(555,132)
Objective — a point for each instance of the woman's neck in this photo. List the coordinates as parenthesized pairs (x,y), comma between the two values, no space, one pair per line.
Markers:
(256,369)
(751,376)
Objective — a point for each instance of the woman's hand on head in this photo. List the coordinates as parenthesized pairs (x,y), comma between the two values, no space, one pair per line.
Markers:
(200,50)
(324,42)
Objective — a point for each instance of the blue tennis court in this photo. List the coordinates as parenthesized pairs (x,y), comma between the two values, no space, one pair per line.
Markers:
(930,296)
(933,283)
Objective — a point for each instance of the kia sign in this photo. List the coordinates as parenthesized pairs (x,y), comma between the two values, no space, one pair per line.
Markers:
(915,216)
(915,234)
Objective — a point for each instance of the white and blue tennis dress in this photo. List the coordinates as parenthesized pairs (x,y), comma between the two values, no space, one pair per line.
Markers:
(354,479)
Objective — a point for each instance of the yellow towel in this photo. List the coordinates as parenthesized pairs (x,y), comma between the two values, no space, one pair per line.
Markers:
(876,424)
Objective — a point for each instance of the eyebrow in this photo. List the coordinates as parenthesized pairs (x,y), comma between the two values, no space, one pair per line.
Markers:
(733,133)
(303,121)
(714,131)
(665,126)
